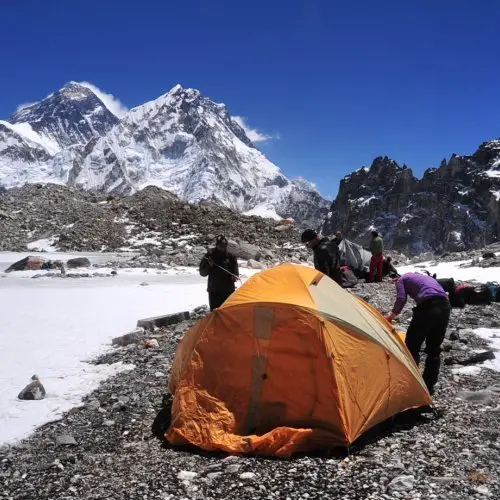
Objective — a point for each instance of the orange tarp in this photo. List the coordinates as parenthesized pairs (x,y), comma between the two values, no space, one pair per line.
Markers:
(291,362)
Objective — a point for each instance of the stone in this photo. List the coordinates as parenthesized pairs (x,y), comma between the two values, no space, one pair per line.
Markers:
(478,397)
(401,483)
(165,320)
(253,264)
(33,391)
(132,337)
(244,250)
(248,475)
(151,344)
(233,468)
(144,283)
(473,359)
(78,262)
(108,423)
(483,490)
(65,440)
(186,475)
(489,255)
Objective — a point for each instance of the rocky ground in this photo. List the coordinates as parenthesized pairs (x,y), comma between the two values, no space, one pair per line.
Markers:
(157,225)
(105,448)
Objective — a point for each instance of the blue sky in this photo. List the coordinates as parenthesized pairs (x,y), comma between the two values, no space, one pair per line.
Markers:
(334,83)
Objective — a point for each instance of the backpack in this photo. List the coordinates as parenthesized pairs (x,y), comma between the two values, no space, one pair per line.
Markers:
(494,287)
(475,295)
(348,277)
(456,299)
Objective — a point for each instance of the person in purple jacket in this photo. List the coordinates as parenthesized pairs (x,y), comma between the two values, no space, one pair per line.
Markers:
(429,321)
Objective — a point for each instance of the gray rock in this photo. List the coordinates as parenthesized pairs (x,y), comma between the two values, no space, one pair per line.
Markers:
(65,439)
(132,337)
(401,483)
(253,264)
(186,475)
(244,250)
(78,262)
(165,320)
(33,391)
(478,397)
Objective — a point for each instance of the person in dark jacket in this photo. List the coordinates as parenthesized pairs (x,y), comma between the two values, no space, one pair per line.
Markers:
(326,254)
(429,321)
(221,267)
(377,260)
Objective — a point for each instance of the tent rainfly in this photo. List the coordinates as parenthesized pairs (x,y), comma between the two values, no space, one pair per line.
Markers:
(290,363)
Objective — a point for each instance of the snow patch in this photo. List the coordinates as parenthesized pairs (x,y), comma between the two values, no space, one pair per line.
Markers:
(264,210)
(43,245)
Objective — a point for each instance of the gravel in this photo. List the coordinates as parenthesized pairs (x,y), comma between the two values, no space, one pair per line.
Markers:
(452,454)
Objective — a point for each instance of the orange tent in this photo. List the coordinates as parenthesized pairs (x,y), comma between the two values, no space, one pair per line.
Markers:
(291,362)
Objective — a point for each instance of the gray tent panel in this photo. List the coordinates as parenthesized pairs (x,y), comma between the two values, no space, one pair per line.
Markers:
(354,255)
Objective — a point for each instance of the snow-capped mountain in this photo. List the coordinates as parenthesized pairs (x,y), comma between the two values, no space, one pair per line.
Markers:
(41,141)
(453,207)
(71,116)
(182,142)
(189,145)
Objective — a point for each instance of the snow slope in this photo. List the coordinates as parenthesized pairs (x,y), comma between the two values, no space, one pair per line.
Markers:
(51,326)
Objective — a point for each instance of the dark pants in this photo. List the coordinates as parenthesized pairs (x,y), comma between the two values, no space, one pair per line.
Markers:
(429,323)
(216,299)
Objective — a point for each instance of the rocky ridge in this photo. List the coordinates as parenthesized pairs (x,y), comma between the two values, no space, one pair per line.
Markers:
(452,208)
(105,448)
(155,225)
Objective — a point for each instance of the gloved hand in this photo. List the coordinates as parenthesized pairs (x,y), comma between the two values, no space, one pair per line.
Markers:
(389,317)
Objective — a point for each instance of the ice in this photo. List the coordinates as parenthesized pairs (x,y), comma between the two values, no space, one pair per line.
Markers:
(52,326)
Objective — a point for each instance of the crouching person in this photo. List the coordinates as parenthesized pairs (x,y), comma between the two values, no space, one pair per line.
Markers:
(429,321)
(221,267)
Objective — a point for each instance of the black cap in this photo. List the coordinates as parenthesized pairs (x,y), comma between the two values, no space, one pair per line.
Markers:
(308,235)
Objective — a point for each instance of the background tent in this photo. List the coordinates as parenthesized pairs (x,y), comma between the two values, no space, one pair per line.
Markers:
(354,255)
(291,362)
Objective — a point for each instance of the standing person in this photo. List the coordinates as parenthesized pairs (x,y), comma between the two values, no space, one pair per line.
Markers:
(221,267)
(326,254)
(429,321)
(377,260)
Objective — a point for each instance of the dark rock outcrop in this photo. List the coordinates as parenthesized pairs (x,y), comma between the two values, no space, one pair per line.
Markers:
(452,208)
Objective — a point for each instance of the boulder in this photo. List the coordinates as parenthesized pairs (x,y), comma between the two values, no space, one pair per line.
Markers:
(244,250)
(253,264)
(133,337)
(33,391)
(479,357)
(165,320)
(78,262)
(489,255)
(401,483)
(29,263)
